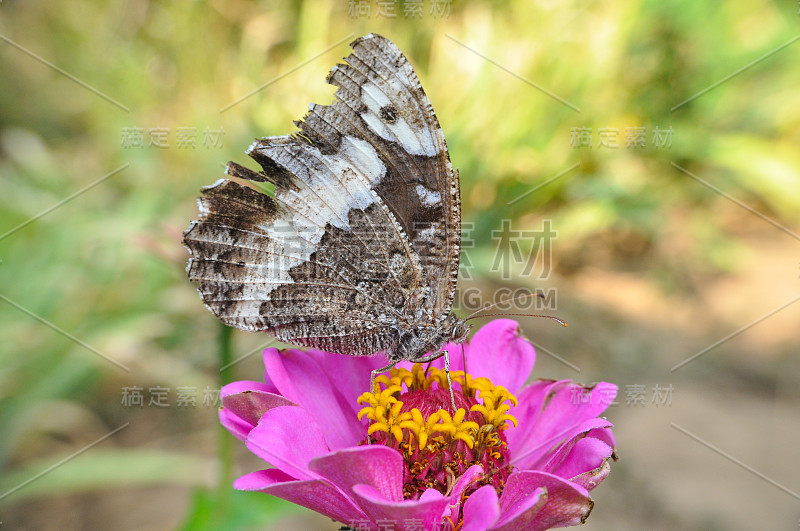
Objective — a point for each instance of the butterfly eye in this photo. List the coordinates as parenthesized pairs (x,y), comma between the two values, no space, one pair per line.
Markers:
(461,331)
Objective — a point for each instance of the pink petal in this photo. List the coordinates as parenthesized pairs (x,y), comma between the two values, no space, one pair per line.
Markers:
(430,494)
(566,504)
(288,438)
(268,383)
(499,352)
(379,467)
(604,435)
(243,404)
(238,427)
(277,375)
(481,510)
(470,476)
(242,386)
(591,479)
(587,454)
(551,461)
(550,412)
(302,380)
(317,495)
(349,374)
(411,515)
(261,479)
(250,405)
(530,401)
(550,450)
(521,510)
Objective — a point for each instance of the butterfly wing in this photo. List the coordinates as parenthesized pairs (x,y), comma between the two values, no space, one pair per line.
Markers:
(339,260)
(380,99)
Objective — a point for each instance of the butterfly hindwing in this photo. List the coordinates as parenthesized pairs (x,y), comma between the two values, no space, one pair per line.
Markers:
(310,271)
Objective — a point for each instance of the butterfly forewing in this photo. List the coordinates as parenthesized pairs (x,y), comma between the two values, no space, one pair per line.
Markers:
(381,100)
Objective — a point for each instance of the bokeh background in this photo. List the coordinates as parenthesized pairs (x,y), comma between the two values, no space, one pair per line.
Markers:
(682,244)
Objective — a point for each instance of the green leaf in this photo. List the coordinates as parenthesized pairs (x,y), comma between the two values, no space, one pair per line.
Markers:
(103,469)
(234,510)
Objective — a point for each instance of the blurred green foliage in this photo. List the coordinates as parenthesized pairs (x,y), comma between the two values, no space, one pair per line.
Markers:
(107,266)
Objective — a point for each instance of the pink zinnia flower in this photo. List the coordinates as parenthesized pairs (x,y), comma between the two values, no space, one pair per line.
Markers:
(513,456)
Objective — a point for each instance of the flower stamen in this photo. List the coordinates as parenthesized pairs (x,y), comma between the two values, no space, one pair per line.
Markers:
(411,412)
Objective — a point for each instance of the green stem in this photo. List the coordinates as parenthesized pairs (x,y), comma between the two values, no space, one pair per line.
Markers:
(225,488)
(225,354)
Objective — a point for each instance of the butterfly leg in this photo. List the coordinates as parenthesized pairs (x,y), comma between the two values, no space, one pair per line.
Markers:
(374,374)
(449,381)
(438,355)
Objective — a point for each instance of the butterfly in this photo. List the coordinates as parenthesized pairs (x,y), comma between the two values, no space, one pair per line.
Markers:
(358,251)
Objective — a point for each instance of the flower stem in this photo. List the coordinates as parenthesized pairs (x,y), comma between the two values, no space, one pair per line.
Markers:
(224,353)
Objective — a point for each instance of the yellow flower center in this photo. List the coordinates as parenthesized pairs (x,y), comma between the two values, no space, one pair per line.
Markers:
(411,412)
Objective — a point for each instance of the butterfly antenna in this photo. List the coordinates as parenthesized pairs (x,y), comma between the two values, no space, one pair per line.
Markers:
(504,301)
(556,319)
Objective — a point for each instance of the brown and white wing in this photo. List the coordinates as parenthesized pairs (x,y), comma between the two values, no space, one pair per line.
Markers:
(322,265)
(364,226)
(380,100)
